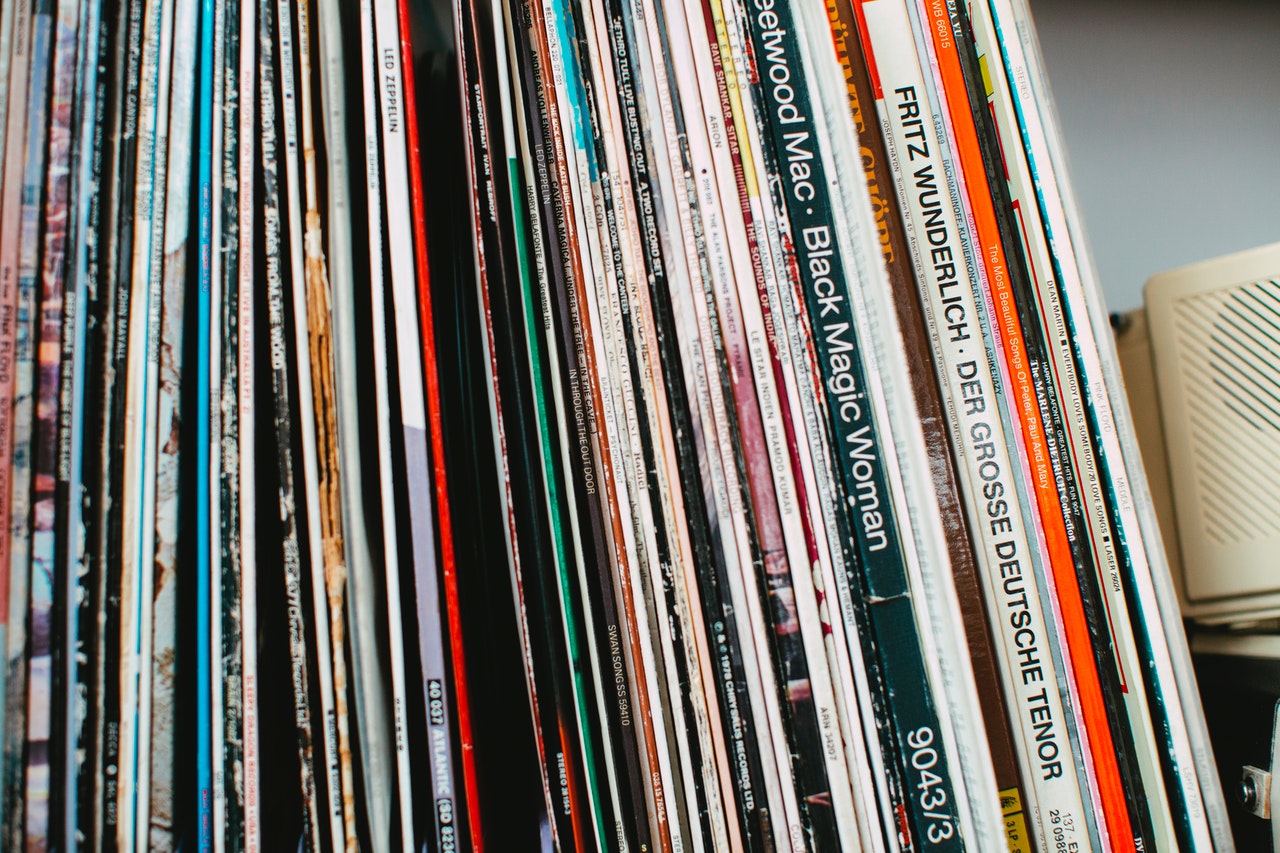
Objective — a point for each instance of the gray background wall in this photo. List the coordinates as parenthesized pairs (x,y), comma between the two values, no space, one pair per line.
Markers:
(1171,114)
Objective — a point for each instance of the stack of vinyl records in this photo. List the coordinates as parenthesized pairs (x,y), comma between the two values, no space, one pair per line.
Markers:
(575,425)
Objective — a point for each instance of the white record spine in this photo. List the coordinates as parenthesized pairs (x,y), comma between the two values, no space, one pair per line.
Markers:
(397,207)
(140,423)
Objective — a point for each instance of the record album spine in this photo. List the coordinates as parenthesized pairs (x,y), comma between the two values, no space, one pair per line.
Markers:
(599,764)
(78,592)
(282,418)
(61,709)
(949,292)
(632,96)
(382,358)
(331,584)
(806,670)
(451,635)
(590,471)
(246,419)
(7,15)
(108,543)
(883,592)
(495,266)
(1188,737)
(655,536)
(739,623)
(229,745)
(406,280)
(141,427)
(805,381)
(807,485)
(45,461)
(211,478)
(21,582)
(1123,561)
(19,14)
(205,427)
(323,548)
(707,768)
(1079,593)
(370,724)
(588,187)
(174,281)
(911,318)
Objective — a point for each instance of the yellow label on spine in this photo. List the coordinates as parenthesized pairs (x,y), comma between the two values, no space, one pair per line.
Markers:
(1015,823)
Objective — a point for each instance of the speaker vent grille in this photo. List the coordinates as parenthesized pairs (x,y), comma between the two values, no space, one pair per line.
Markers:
(1228,344)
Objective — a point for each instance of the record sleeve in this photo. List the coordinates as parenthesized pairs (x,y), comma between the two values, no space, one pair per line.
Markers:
(19,15)
(140,420)
(884,593)
(291,575)
(815,726)
(410,337)
(7,15)
(589,472)
(947,290)
(929,572)
(371,723)
(173,284)
(332,585)
(448,580)
(73,762)
(511,402)
(24,356)
(893,247)
(1163,650)
(16,95)
(382,361)
(656,535)
(247,420)
(206,427)
(1100,694)
(617,421)
(107,543)
(630,71)
(653,352)
(45,458)
(739,623)
(545,378)
(227,581)
(323,526)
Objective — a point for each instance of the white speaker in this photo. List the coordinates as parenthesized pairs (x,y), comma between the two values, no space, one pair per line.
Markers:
(1215,341)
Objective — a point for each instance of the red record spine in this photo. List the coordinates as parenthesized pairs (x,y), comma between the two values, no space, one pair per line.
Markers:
(448,565)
